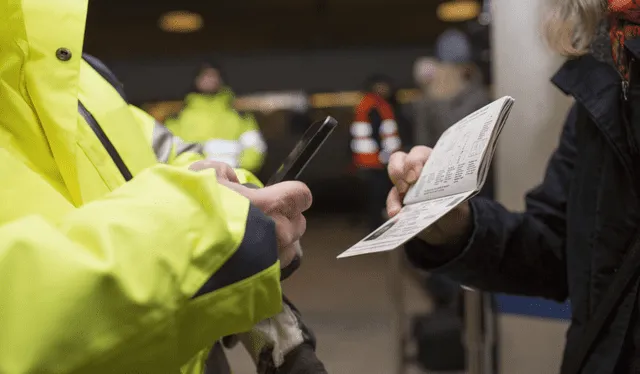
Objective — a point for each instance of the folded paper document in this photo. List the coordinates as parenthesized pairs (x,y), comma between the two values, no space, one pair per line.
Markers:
(455,172)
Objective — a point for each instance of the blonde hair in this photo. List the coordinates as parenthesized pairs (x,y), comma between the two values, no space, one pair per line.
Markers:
(571,25)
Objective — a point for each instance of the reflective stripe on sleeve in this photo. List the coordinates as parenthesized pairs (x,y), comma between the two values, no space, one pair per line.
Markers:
(388,127)
(221,146)
(253,139)
(161,142)
(227,159)
(164,143)
(364,145)
(391,144)
(361,129)
(183,147)
(226,151)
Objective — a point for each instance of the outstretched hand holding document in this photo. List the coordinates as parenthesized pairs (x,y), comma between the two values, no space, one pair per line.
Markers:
(455,172)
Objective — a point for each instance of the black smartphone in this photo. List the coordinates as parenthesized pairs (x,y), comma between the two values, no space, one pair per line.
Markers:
(294,164)
(303,152)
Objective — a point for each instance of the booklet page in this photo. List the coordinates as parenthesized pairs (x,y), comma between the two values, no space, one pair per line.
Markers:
(411,220)
(454,164)
(487,158)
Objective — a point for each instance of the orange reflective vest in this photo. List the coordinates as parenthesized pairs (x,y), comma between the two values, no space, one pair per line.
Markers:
(374,133)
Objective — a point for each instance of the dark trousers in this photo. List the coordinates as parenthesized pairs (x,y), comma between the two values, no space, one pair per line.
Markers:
(375,187)
(441,286)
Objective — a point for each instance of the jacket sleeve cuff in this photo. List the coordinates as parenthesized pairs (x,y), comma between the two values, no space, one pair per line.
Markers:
(257,252)
(302,360)
(445,257)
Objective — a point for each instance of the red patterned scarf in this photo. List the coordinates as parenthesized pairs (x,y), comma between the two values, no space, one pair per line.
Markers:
(625,24)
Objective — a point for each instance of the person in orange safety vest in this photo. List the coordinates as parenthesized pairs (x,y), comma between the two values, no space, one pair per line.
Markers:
(375,137)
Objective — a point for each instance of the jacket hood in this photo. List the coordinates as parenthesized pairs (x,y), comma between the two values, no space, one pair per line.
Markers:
(39,82)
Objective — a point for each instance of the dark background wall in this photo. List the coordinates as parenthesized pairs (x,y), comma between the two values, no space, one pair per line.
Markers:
(321,70)
(314,45)
(129,29)
(275,45)
(326,70)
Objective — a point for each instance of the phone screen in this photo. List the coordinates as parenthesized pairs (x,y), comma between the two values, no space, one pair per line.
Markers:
(304,151)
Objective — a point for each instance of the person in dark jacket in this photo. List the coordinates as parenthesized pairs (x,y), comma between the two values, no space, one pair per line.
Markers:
(454,91)
(580,221)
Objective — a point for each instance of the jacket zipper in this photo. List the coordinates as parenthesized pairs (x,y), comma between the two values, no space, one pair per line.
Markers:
(626,82)
(631,132)
(106,143)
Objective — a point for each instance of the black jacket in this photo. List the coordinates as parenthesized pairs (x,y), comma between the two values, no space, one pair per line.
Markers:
(577,225)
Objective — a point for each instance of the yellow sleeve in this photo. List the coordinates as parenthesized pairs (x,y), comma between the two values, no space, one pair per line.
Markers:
(168,148)
(138,282)
(253,145)
(245,176)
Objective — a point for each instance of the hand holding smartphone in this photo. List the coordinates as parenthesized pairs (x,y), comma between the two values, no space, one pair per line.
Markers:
(296,162)
(304,151)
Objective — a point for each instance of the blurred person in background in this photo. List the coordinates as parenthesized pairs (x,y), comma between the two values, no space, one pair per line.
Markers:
(452,88)
(128,287)
(209,117)
(581,223)
(424,72)
(374,137)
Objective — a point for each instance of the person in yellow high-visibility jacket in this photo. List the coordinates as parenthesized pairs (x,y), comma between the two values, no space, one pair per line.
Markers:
(209,118)
(109,261)
(291,342)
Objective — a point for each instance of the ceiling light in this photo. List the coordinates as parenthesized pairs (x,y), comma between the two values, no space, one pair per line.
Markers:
(181,22)
(458,11)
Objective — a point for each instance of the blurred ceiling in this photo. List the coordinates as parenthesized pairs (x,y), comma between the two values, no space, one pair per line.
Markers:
(129,29)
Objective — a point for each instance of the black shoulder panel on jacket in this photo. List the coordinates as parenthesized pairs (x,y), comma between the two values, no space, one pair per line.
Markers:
(105,72)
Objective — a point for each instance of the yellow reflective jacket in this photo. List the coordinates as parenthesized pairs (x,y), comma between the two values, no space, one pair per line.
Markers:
(170,149)
(226,135)
(100,275)
(173,150)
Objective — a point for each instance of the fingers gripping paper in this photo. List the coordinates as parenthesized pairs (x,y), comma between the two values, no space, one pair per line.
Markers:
(455,171)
